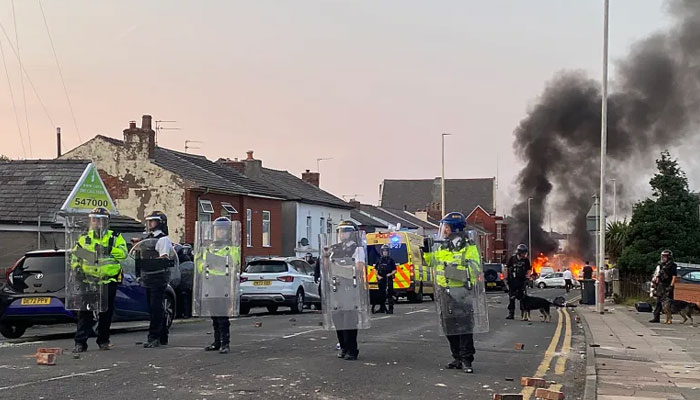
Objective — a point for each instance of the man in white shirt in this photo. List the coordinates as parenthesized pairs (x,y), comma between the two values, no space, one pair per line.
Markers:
(608,280)
(568,280)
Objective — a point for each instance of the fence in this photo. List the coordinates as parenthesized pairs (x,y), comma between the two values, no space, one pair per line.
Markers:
(634,285)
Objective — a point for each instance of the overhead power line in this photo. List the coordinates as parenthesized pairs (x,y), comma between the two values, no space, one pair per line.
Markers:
(21,79)
(12,98)
(60,72)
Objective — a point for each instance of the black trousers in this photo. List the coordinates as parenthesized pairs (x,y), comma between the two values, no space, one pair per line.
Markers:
(86,320)
(348,341)
(568,285)
(157,329)
(222,333)
(462,347)
(516,290)
(386,294)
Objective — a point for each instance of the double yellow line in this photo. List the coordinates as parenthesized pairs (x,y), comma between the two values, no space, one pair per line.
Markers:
(563,322)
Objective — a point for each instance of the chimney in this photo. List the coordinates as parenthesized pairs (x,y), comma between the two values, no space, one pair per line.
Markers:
(313,178)
(140,142)
(253,167)
(354,203)
(239,166)
(58,142)
(421,215)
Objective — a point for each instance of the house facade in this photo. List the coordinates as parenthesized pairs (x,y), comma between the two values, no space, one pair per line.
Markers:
(494,244)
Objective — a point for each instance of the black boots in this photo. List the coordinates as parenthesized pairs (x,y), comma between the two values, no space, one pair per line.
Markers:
(80,348)
(213,347)
(455,364)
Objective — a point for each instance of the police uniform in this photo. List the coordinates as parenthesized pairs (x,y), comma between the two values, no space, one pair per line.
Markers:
(663,289)
(111,250)
(518,268)
(221,324)
(385,267)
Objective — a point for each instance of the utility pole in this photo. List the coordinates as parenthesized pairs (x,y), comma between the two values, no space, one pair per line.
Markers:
(529,229)
(442,180)
(603,151)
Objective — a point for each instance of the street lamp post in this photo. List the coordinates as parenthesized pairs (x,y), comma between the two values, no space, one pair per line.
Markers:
(529,229)
(614,182)
(442,181)
(603,147)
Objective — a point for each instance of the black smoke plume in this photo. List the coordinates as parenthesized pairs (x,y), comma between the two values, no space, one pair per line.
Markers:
(653,103)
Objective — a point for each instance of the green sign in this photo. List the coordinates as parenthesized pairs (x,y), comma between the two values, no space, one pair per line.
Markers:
(88,193)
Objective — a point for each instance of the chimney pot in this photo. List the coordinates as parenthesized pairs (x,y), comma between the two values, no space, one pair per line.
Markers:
(146,122)
(132,124)
(250,155)
(313,178)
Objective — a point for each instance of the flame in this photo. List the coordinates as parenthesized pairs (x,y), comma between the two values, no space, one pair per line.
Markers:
(539,262)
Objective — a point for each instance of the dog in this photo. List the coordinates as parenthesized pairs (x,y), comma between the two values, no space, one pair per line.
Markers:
(683,308)
(529,303)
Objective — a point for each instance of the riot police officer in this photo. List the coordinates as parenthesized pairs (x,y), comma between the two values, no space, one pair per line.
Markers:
(226,248)
(156,284)
(345,288)
(460,295)
(663,283)
(516,277)
(386,269)
(108,249)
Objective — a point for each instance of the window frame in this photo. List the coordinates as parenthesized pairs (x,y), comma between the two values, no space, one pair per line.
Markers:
(269,228)
(248,227)
(225,208)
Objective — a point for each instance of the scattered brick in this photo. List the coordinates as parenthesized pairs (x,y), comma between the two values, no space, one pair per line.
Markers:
(519,346)
(50,350)
(546,394)
(46,359)
(258,324)
(534,382)
(507,396)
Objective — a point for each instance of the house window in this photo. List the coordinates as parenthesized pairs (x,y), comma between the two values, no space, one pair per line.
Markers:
(322,226)
(498,232)
(248,227)
(308,228)
(228,210)
(205,210)
(266,228)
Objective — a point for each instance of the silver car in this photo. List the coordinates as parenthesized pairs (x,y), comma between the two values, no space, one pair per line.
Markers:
(278,281)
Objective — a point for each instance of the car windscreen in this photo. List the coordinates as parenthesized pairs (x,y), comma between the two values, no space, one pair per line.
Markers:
(267,266)
(493,267)
(399,253)
(40,274)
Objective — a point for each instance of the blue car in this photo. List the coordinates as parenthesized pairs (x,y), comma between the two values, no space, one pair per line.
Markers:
(34,291)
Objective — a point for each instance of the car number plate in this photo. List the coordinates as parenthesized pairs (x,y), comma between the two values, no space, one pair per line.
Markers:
(490,283)
(262,283)
(36,301)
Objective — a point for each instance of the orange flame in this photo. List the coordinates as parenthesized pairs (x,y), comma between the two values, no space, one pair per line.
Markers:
(539,262)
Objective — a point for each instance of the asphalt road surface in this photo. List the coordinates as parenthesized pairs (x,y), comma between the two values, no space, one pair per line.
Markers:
(290,356)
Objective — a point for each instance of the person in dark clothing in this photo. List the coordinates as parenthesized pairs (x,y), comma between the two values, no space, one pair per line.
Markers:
(587,271)
(663,283)
(386,269)
(517,269)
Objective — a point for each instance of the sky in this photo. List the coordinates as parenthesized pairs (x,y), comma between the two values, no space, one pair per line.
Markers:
(371,85)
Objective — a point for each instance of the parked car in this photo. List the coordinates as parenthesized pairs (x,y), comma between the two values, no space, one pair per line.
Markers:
(34,292)
(688,274)
(278,281)
(555,279)
(493,275)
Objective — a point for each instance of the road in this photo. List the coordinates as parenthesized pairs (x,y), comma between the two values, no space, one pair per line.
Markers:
(291,356)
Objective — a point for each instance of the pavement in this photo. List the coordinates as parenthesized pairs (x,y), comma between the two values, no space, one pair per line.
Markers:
(290,356)
(634,359)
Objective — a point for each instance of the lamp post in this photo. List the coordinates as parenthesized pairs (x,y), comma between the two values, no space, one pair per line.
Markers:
(614,182)
(442,181)
(603,147)
(529,228)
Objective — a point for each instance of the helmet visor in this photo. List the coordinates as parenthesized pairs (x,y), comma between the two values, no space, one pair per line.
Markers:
(99,223)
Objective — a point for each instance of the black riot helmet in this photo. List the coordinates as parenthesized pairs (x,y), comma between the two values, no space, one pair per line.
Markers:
(221,230)
(521,250)
(346,229)
(668,254)
(383,249)
(162,222)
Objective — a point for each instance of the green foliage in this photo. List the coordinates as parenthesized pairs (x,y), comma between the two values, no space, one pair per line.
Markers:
(669,221)
(616,235)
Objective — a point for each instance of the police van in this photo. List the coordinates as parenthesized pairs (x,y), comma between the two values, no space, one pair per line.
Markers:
(413,278)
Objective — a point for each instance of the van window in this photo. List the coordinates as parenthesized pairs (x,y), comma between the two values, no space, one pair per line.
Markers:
(398,253)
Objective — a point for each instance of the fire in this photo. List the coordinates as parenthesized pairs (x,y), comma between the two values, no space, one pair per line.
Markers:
(539,262)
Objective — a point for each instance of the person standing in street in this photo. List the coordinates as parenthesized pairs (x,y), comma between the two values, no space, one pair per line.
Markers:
(608,277)
(157,225)
(568,280)
(386,269)
(663,283)
(109,250)
(517,270)
(587,271)
(218,279)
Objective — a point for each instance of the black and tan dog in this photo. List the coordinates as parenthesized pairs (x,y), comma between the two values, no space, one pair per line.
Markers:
(529,303)
(683,308)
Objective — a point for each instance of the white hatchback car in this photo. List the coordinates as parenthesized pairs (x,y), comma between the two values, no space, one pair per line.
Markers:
(555,279)
(278,281)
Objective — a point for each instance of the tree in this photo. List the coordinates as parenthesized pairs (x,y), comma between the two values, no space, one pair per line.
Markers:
(669,221)
(616,235)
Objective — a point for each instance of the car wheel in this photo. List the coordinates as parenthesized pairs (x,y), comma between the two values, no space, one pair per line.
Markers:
(541,285)
(12,331)
(272,309)
(298,306)
(244,310)
(169,310)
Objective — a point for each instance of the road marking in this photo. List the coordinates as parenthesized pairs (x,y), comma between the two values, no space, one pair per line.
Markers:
(417,311)
(555,387)
(300,333)
(548,355)
(376,319)
(57,378)
(566,347)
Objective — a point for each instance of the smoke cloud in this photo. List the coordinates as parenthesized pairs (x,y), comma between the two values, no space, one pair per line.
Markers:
(653,104)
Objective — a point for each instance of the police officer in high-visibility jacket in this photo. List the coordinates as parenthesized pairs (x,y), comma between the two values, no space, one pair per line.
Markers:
(109,249)
(222,247)
(459,288)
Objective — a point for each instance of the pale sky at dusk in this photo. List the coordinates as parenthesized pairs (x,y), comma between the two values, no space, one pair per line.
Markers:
(361,82)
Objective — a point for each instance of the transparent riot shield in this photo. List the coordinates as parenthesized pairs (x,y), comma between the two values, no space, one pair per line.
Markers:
(84,290)
(460,292)
(152,269)
(217,267)
(345,291)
